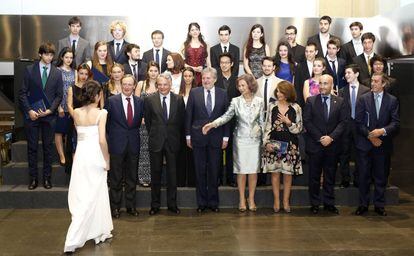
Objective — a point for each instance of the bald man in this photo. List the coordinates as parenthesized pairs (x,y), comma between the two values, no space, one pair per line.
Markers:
(325,117)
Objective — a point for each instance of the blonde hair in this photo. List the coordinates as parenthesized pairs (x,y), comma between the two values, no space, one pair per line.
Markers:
(116,23)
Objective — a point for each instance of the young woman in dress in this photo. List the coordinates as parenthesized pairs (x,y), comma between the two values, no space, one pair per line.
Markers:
(311,86)
(113,86)
(187,83)
(175,65)
(88,196)
(196,51)
(66,65)
(254,51)
(247,137)
(285,65)
(283,124)
(101,63)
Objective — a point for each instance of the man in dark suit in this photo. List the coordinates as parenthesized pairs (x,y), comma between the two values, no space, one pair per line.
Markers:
(321,39)
(354,47)
(135,66)
(298,51)
(125,112)
(157,53)
(363,60)
(377,121)
(80,47)
(164,120)
(227,80)
(335,66)
(116,47)
(225,47)
(205,104)
(303,71)
(39,97)
(350,93)
(325,117)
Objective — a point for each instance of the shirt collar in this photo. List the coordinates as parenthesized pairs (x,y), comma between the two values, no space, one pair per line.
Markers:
(118,41)
(124,97)
(212,90)
(329,59)
(162,96)
(356,41)
(227,45)
(41,65)
(74,38)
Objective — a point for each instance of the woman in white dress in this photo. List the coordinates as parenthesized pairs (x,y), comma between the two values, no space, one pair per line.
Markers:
(247,137)
(88,197)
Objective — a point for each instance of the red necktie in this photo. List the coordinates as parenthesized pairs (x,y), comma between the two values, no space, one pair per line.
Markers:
(129,112)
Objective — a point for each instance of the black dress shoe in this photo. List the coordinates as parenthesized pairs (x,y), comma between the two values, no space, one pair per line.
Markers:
(314,209)
(33,184)
(132,212)
(154,211)
(116,214)
(174,210)
(47,184)
(215,209)
(344,184)
(201,209)
(331,209)
(232,184)
(380,211)
(361,210)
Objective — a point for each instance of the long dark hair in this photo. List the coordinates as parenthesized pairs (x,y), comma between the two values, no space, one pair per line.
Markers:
(147,78)
(62,54)
(249,44)
(278,59)
(90,89)
(200,38)
(182,85)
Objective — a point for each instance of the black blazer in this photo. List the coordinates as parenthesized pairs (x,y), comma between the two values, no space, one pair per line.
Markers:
(233,50)
(121,58)
(232,90)
(142,69)
(366,120)
(160,131)
(119,133)
(196,117)
(32,88)
(298,53)
(346,95)
(316,126)
(301,75)
(347,52)
(315,39)
(363,66)
(149,56)
(339,80)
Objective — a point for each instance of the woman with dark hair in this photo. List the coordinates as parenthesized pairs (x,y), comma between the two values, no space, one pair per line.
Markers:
(311,86)
(196,51)
(113,86)
(187,83)
(175,65)
(143,90)
(88,196)
(285,65)
(66,66)
(280,140)
(247,137)
(101,63)
(254,51)
(379,66)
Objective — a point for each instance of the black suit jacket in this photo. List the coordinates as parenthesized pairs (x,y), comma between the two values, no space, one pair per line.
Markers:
(315,39)
(232,90)
(345,93)
(32,88)
(339,79)
(348,52)
(316,126)
(160,131)
(366,120)
(301,75)
(149,56)
(363,66)
(298,53)
(142,69)
(121,58)
(233,50)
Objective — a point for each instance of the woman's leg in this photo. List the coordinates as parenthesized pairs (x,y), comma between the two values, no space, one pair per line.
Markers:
(59,147)
(252,190)
(287,186)
(276,190)
(241,184)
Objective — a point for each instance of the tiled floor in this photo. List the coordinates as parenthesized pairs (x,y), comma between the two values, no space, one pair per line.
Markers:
(42,232)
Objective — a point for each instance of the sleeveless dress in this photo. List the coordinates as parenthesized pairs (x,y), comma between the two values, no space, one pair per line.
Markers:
(88,196)
(196,57)
(284,72)
(255,61)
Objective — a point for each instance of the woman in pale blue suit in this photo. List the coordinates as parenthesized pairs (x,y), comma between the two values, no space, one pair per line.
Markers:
(247,135)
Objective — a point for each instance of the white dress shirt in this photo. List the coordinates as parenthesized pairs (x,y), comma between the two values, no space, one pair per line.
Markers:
(222,46)
(324,42)
(125,104)
(330,63)
(213,98)
(71,38)
(154,52)
(359,49)
(310,67)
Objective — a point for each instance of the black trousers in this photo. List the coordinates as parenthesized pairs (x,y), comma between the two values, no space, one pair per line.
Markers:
(156,159)
(323,160)
(45,125)
(348,142)
(123,167)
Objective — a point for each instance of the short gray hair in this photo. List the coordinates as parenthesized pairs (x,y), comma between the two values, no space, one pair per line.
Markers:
(166,75)
(209,70)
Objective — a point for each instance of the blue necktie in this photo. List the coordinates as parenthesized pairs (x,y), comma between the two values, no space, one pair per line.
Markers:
(164,109)
(209,104)
(377,104)
(353,99)
(325,108)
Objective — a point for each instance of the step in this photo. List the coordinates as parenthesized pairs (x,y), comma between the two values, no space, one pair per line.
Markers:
(19,152)
(18,196)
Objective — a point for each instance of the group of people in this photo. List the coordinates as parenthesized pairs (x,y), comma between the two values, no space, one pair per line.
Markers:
(132,116)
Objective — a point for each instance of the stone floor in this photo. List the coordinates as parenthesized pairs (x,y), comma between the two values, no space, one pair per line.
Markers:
(42,232)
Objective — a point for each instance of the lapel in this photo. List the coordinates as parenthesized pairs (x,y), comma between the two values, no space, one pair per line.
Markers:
(352,49)
(50,77)
(359,92)
(173,106)
(158,105)
(373,111)
(332,106)
(36,74)
(216,101)
(384,105)
(203,101)
(121,104)
(319,106)
(136,110)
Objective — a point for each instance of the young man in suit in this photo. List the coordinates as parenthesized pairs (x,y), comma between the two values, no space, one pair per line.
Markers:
(350,93)
(80,47)
(298,51)
(335,64)
(321,39)
(116,47)
(324,117)
(377,121)
(225,47)
(164,120)
(354,47)
(39,98)
(135,66)
(125,113)
(158,53)
(205,104)
(303,71)
(363,60)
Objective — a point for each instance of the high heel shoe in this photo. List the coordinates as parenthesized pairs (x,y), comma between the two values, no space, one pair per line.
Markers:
(242,209)
(252,208)
(287,210)
(276,210)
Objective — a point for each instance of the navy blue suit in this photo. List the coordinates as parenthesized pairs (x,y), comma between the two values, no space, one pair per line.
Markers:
(121,57)
(32,91)
(339,79)
(123,144)
(207,148)
(373,160)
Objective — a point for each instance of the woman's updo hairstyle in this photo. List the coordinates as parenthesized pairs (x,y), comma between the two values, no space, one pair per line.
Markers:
(90,89)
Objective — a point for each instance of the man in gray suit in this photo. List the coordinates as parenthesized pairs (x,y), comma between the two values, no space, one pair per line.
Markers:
(80,46)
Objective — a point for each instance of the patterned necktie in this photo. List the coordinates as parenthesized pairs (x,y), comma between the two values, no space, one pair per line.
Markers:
(164,109)
(209,104)
(225,49)
(117,49)
(44,76)
(129,112)
(325,108)
(377,104)
(353,101)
